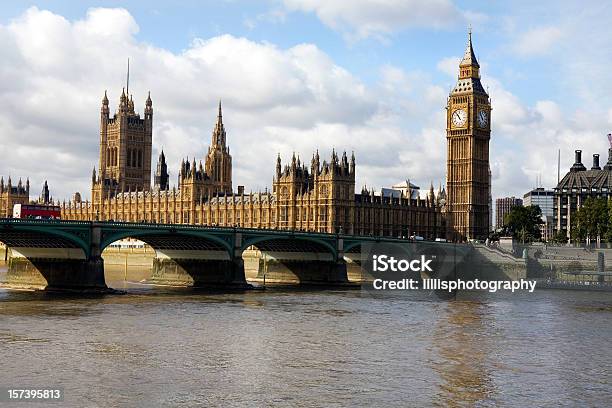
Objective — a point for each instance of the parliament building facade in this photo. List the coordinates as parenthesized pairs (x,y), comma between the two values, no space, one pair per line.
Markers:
(318,196)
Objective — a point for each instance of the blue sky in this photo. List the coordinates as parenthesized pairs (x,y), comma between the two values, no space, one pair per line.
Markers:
(296,75)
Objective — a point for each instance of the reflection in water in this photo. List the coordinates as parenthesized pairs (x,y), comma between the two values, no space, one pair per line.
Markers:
(123,277)
(463,360)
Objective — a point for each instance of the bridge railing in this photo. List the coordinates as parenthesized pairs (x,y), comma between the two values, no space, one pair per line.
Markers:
(148,225)
(41,221)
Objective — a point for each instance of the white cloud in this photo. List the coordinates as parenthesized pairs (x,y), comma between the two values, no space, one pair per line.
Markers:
(54,74)
(525,141)
(375,18)
(449,66)
(537,41)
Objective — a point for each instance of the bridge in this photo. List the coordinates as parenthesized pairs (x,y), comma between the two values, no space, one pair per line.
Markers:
(54,254)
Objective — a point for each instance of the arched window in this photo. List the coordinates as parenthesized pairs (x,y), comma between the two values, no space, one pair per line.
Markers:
(108,153)
(323,191)
(322,214)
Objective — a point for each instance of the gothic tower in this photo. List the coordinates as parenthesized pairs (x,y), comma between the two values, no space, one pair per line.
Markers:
(218,164)
(161,173)
(44,195)
(125,147)
(468,131)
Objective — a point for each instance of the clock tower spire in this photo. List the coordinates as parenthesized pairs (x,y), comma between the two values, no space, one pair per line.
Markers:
(468,131)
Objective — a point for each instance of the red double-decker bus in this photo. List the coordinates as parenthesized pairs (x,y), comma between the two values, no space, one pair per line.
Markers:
(37,211)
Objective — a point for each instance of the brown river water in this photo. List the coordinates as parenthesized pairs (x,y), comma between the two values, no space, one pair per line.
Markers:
(313,347)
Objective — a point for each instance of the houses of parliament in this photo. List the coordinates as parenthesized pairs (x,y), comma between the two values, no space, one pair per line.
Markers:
(318,196)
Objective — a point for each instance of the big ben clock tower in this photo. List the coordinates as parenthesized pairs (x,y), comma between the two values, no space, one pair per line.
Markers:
(468,130)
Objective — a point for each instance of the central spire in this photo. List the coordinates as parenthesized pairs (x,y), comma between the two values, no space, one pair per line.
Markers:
(218,136)
(469,67)
(469,58)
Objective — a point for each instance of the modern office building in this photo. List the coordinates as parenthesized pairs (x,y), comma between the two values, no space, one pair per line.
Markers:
(503,207)
(545,200)
(541,197)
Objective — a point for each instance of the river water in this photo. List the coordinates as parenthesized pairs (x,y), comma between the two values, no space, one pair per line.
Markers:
(309,348)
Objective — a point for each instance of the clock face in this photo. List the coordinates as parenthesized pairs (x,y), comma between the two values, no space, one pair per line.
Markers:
(483,118)
(459,117)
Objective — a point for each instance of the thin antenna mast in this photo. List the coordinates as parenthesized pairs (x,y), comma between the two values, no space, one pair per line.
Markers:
(127,85)
(559,166)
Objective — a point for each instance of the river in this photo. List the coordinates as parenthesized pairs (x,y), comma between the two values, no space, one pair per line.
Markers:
(308,348)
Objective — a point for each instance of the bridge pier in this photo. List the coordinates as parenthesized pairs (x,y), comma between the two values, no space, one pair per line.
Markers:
(67,268)
(197,270)
(54,269)
(354,269)
(294,268)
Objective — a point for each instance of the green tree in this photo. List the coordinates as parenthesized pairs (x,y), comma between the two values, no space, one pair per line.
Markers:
(592,220)
(559,237)
(524,222)
(607,235)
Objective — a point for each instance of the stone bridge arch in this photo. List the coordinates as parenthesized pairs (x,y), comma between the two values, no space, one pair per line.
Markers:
(161,239)
(277,258)
(33,236)
(185,256)
(291,240)
(43,255)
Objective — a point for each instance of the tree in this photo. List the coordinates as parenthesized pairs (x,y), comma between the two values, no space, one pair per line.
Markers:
(608,233)
(560,237)
(592,220)
(524,222)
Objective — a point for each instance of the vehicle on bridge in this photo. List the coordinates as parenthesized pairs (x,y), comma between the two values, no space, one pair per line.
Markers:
(37,211)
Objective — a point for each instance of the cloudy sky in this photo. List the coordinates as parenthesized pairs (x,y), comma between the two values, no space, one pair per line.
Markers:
(296,75)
